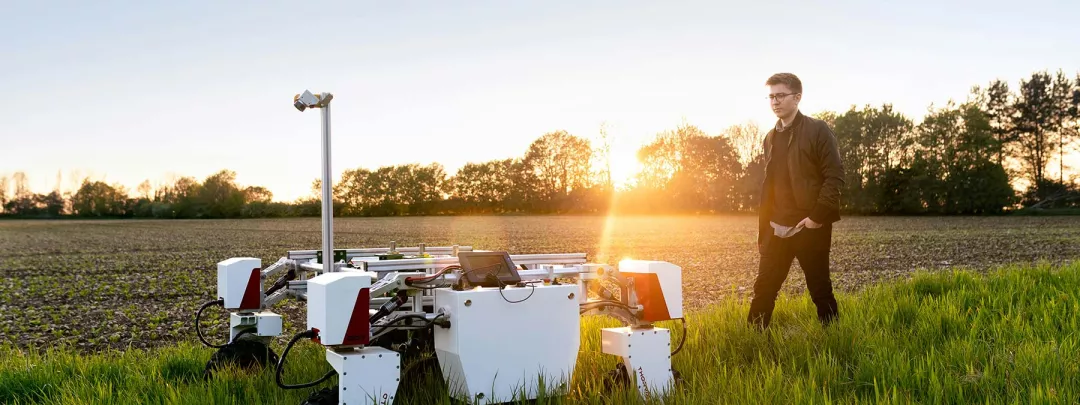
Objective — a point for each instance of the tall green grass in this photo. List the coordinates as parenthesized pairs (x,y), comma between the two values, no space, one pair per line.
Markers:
(1010,336)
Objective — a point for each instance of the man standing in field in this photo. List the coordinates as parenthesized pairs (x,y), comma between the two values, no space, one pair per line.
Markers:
(800,199)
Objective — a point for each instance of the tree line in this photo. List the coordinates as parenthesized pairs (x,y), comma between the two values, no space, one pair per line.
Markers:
(962,158)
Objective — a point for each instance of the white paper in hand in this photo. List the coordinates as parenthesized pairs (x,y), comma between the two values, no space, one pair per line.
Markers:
(782,231)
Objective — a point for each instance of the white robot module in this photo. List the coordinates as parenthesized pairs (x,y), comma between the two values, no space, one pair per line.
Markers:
(496,323)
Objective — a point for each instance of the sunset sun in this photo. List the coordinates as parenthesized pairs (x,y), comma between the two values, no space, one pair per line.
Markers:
(624,167)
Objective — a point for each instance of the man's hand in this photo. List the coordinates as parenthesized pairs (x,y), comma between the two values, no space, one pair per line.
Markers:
(809,223)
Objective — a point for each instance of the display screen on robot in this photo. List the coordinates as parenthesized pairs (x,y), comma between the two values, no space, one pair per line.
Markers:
(479,267)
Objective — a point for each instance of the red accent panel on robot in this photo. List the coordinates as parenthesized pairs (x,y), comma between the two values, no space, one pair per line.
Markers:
(359,323)
(252,294)
(651,296)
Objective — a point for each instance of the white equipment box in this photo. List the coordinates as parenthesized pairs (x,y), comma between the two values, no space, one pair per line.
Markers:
(366,376)
(338,308)
(532,337)
(240,283)
(646,355)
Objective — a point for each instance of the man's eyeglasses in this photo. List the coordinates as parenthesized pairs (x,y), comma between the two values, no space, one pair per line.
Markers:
(780,96)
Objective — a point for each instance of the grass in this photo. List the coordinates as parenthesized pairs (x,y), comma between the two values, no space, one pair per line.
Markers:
(1004,336)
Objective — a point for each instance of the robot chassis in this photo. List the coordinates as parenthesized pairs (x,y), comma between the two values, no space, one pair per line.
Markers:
(496,321)
(500,325)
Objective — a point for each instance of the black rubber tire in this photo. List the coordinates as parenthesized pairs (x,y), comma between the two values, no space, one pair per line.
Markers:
(617,378)
(678,383)
(246,353)
(325,396)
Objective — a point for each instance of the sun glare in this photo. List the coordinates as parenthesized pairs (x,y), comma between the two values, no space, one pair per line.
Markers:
(624,167)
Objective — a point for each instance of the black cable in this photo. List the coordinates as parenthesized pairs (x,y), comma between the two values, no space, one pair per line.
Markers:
(683,340)
(390,306)
(533,289)
(400,319)
(629,313)
(461,281)
(281,364)
(606,303)
(198,317)
(426,288)
(428,323)
(409,281)
(281,282)
(503,285)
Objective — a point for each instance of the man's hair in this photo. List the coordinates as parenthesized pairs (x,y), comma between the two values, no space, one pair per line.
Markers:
(788,79)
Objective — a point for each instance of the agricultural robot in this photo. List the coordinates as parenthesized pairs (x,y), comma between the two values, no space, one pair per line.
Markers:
(501,327)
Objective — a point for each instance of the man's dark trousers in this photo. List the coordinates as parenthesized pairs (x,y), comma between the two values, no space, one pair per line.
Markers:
(811,247)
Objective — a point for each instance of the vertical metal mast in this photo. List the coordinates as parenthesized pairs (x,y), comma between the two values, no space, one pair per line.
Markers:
(303,102)
(327,197)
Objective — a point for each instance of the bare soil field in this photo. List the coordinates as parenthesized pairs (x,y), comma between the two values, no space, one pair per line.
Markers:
(92,285)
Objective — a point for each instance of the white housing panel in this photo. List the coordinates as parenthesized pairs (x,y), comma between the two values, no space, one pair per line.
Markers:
(646,353)
(497,351)
(338,305)
(369,375)
(234,275)
(265,323)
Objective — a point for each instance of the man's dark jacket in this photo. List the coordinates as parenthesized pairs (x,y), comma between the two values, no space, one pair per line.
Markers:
(817,174)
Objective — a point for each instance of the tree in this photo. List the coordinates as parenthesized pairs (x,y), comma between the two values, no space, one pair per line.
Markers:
(1061,93)
(98,199)
(22,189)
(710,174)
(687,170)
(1000,109)
(351,191)
(903,189)
(871,141)
(3,192)
(750,182)
(420,187)
(257,194)
(975,184)
(144,189)
(602,157)
(52,204)
(747,140)
(887,138)
(982,188)
(1074,111)
(523,194)
(560,163)
(933,147)
(181,200)
(953,170)
(1035,123)
(483,187)
(220,195)
(829,117)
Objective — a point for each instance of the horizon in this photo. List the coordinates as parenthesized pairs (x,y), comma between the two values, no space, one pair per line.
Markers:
(158,92)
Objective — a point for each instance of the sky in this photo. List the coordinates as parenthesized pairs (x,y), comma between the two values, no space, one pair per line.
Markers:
(131,91)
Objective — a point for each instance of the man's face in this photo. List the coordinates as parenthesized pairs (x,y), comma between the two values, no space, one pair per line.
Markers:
(782,101)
